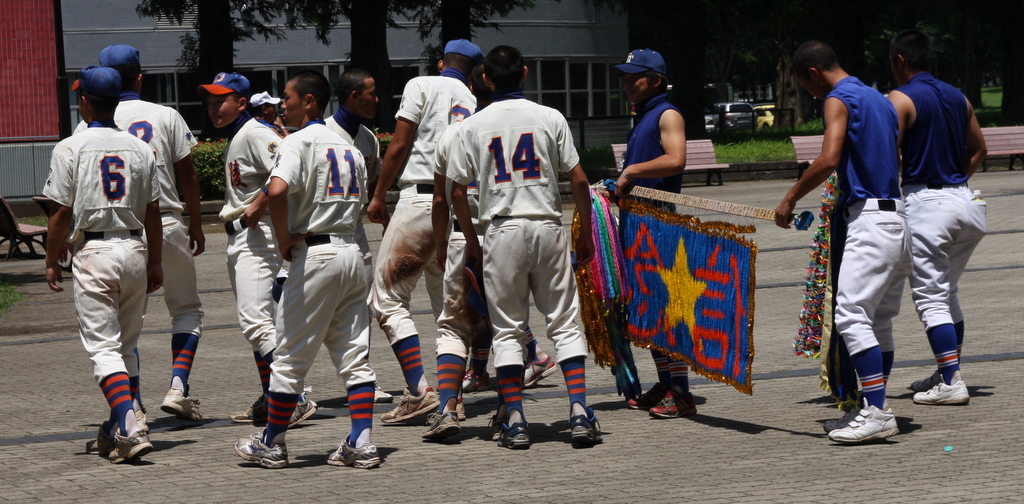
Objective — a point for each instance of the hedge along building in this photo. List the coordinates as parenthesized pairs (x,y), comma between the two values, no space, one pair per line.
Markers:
(570,47)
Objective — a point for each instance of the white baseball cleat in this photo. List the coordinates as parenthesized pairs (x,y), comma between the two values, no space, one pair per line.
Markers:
(954,393)
(870,423)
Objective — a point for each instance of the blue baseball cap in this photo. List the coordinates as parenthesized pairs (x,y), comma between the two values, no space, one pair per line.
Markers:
(465,48)
(225,83)
(99,81)
(642,60)
(119,54)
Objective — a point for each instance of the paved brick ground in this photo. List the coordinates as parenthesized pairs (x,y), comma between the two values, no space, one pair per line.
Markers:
(768,447)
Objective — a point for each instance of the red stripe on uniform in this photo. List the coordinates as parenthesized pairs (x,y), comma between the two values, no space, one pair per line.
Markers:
(872,383)
(119,389)
(361,416)
(360,396)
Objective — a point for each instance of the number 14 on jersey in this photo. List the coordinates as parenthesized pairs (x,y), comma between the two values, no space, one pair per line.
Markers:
(524,159)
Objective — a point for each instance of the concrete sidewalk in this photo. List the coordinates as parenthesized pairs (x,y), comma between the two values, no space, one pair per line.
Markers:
(768,447)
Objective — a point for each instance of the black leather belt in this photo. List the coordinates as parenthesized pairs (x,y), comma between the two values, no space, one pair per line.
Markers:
(457,228)
(230,227)
(317,240)
(935,186)
(169,212)
(425,188)
(100,235)
(887,205)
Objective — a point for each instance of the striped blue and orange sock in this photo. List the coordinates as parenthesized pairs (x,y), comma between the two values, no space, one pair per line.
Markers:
(136,389)
(360,409)
(959,328)
(479,360)
(661,364)
(183,350)
(263,365)
(942,339)
(869,370)
(887,360)
(280,408)
(575,372)
(531,345)
(510,384)
(450,369)
(408,353)
(679,375)
(118,391)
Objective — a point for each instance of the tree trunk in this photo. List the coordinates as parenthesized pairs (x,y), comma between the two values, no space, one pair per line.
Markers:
(970,76)
(455,19)
(215,47)
(370,52)
(789,95)
(1013,70)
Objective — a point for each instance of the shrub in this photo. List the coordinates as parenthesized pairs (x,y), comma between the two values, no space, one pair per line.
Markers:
(385,141)
(208,160)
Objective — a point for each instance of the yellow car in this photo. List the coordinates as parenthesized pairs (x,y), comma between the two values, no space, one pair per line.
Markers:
(765,115)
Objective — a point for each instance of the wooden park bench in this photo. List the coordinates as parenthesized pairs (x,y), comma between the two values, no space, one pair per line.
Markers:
(807,149)
(1004,141)
(14,233)
(700,155)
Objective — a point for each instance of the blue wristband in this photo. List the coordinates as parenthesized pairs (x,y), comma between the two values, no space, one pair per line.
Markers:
(266,192)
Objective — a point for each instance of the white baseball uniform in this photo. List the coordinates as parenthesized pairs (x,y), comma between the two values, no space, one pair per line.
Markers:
(171,141)
(407,249)
(324,300)
(514,149)
(107,177)
(369,146)
(252,255)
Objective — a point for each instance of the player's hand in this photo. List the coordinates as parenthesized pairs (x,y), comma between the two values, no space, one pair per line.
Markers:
(378,211)
(196,238)
(65,252)
(584,249)
(441,254)
(287,244)
(622,185)
(474,254)
(54,276)
(253,214)
(154,278)
(784,214)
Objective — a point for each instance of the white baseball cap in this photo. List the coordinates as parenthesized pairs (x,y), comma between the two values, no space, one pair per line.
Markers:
(261,98)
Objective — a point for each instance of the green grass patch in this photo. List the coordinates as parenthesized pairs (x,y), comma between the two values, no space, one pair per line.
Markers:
(597,158)
(35,220)
(990,113)
(8,295)
(766,144)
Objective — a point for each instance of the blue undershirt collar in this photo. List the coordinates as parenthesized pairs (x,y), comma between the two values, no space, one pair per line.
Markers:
(232,129)
(645,106)
(348,121)
(454,73)
(130,95)
(312,122)
(104,123)
(265,123)
(511,93)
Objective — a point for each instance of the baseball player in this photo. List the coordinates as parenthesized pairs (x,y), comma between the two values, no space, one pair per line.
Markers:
(252,255)
(655,157)
(105,190)
(316,198)
(429,105)
(870,241)
(171,141)
(515,150)
(942,147)
(264,109)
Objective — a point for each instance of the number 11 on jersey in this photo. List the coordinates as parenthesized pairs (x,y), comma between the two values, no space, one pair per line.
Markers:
(336,187)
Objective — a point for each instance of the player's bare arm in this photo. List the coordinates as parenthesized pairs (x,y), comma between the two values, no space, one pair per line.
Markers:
(188,181)
(581,197)
(976,149)
(57,231)
(439,221)
(836,118)
(256,210)
(673,140)
(906,112)
(460,204)
(154,227)
(394,161)
(279,217)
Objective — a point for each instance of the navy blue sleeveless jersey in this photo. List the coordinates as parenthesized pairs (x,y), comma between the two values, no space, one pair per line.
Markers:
(934,148)
(868,165)
(644,143)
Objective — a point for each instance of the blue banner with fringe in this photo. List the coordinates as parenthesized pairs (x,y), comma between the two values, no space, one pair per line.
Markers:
(690,286)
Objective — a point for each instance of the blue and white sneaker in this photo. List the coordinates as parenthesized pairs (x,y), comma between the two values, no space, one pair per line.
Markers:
(514,436)
(586,431)
(253,449)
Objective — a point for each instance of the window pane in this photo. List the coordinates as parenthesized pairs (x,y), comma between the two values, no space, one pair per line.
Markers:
(262,81)
(187,84)
(552,76)
(555,101)
(600,103)
(578,75)
(531,77)
(193,116)
(600,76)
(400,76)
(578,106)
(615,105)
(158,88)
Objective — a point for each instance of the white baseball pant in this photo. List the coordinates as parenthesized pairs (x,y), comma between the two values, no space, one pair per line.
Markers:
(110,298)
(323,302)
(181,293)
(523,256)
(253,263)
(406,252)
(876,263)
(946,226)
(458,323)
